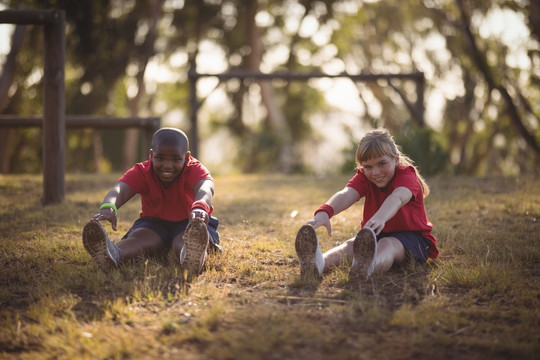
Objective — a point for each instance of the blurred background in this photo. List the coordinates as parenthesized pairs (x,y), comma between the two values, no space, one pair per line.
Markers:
(480,59)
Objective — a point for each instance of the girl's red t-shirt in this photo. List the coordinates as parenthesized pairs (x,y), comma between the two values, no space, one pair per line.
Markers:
(410,217)
(172,203)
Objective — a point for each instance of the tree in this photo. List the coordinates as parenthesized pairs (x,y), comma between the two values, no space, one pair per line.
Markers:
(490,86)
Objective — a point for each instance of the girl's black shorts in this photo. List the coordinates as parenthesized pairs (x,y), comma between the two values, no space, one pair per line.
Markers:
(413,242)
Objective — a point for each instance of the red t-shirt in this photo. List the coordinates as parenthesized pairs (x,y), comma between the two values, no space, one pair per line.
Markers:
(410,217)
(173,203)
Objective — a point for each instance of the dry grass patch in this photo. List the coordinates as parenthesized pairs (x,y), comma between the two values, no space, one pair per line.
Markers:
(479,299)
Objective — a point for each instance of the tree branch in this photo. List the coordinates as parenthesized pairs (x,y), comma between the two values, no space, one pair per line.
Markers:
(482,64)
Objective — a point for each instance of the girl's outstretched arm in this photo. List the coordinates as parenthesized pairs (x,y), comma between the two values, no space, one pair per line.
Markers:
(399,197)
(340,201)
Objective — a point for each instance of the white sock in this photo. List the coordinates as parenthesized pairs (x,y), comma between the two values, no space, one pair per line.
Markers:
(319,259)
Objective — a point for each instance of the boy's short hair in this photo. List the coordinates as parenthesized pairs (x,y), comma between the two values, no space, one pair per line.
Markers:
(170,136)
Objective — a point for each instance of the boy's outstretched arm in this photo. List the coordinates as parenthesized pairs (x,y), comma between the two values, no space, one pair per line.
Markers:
(118,196)
(204,193)
(340,201)
(399,197)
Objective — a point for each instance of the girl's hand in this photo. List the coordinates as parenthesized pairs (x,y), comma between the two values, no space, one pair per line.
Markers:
(107,214)
(321,219)
(375,224)
(399,197)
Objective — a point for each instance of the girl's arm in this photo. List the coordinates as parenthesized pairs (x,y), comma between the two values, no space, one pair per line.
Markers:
(204,193)
(340,201)
(117,196)
(399,197)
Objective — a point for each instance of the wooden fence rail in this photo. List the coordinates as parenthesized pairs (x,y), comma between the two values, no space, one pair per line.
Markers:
(148,124)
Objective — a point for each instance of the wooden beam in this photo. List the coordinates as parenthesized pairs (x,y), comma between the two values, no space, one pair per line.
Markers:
(84,121)
(29,17)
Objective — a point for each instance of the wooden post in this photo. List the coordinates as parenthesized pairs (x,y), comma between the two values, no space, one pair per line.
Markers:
(149,130)
(54,110)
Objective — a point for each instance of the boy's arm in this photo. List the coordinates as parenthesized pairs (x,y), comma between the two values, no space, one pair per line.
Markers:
(339,202)
(399,197)
(117,196)
(204,193)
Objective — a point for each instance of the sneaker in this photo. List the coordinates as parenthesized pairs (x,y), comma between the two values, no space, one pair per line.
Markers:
(309,253)
(364,254)
(193,253)
(103,251)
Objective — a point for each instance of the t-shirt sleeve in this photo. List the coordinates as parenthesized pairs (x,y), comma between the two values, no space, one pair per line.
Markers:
(197,172)
(409,180)
(134,178)
(359,183)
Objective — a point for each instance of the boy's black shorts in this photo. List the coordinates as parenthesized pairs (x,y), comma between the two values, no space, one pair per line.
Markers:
(167,230)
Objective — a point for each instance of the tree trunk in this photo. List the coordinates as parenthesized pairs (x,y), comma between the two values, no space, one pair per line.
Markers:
(130,154)
(276,121)
(481,63)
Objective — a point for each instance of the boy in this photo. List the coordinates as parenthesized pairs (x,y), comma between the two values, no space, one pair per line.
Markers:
(176,206)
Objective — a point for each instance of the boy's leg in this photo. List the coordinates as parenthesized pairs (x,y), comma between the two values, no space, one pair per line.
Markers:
(192,247)
(138,242)
(96,242)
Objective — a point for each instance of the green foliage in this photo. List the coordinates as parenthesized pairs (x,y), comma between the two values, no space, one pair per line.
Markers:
(108,44)
(419,144)
(422,146)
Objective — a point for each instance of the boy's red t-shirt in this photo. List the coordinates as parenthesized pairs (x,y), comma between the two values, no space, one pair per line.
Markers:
(410,217)
(173,203)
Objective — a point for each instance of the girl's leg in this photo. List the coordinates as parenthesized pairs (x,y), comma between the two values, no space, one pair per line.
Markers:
(389,251)
(138,242)
(338,254)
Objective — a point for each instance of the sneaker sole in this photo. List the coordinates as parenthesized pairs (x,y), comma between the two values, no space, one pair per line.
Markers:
(364,248)
(196,243)
(306,248)
(94,239)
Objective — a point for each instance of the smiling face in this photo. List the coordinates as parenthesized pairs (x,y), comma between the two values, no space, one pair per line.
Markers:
(380,170)
(168,162)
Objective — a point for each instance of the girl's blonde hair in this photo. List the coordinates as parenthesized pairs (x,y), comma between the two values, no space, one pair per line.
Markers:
(379,142)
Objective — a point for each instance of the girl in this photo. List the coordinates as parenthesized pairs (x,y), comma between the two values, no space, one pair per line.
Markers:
(394,222)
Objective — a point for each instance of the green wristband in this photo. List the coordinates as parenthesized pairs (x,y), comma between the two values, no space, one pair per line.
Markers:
(109,206)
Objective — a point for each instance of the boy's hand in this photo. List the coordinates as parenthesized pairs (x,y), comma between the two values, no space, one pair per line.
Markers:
(107,214)
(200,215)
(321,219)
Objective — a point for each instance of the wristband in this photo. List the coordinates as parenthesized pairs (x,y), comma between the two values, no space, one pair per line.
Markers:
(109,206)
(201,205)
(327,209)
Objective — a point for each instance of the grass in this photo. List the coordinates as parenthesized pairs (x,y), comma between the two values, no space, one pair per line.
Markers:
(479,299)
